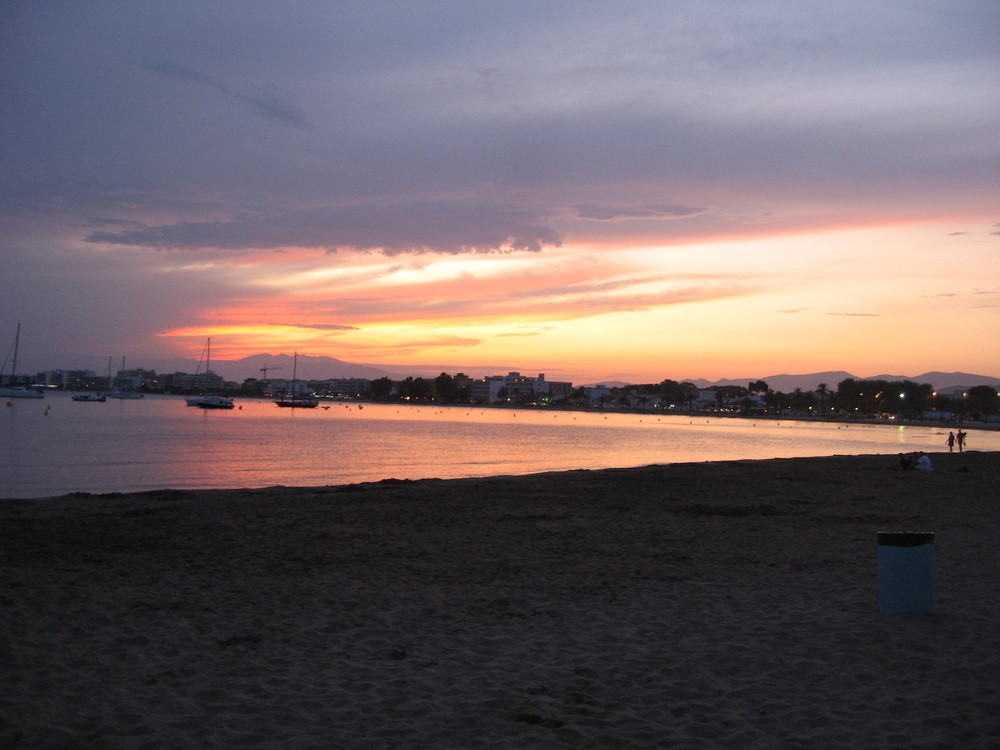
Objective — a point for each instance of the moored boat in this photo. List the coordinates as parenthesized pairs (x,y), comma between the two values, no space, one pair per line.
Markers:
(293,399)
(12,390)
(89,397)
(212,402)
(205,401)
(121,393)
(296,400)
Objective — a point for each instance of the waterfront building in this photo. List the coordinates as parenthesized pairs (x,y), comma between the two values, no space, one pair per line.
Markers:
(344,387)
(185,382)
(517,388)
(71,379)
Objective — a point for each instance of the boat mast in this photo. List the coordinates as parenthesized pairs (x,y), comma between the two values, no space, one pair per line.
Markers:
(13,367)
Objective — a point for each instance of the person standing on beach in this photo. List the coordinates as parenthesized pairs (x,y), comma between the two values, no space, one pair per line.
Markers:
(951,442)
(961,441)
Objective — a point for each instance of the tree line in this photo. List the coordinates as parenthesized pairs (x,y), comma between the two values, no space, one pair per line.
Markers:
(852,397)
(904,399)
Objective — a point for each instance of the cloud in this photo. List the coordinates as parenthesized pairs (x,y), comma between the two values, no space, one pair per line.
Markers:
(316,326)
(267,101)
(855,315)
(609,213)
(451,227)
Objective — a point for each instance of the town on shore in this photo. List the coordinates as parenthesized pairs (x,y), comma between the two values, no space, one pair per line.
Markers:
(849,399)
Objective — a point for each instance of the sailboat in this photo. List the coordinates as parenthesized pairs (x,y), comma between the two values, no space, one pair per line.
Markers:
(89,397)
(18,391)
(206,401)
(293,399)
(193,400)
(100,396)
(122,394)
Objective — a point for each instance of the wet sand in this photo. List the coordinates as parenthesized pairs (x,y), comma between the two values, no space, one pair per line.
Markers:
(711,605)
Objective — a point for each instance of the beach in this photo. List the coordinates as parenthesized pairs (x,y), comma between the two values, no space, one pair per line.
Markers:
(703,605)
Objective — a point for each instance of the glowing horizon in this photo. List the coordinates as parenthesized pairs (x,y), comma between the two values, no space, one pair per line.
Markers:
(664,191)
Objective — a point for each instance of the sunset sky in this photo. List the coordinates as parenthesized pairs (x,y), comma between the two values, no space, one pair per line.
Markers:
(622,191)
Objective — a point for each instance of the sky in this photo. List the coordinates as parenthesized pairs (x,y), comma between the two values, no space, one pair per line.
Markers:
(621,191)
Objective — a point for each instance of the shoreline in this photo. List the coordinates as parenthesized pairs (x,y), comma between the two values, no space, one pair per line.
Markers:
(943,424)
(702,605)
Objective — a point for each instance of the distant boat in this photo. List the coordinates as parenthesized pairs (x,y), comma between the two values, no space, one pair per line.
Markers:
(206,401)
(18,391)
(100,396)
(89,397)
(122,394)
(193,400)
(293,399)
(214,402)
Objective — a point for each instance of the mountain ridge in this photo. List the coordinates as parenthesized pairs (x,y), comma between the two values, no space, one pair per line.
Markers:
(280,367)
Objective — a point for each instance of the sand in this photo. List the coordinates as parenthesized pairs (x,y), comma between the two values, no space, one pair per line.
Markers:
(713,605)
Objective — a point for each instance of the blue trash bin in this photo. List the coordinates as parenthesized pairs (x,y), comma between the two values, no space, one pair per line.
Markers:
(905,572)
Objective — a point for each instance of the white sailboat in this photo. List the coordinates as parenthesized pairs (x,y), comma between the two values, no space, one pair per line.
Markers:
(206,401)
(12,390)
(193,400)
(121,393)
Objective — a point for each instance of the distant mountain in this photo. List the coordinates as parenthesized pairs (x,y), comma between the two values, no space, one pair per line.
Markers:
(322,368)
(809,382)
(947,381)
(281,366)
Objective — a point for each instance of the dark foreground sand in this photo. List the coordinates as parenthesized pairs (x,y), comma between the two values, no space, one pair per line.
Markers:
(716,605)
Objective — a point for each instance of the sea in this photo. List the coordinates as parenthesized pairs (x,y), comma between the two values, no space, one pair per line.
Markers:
(56,446)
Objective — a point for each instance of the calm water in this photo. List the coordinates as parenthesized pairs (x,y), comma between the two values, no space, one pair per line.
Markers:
(159,442)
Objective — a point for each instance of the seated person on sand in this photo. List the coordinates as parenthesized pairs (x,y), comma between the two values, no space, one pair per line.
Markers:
(905,462)
(923,462)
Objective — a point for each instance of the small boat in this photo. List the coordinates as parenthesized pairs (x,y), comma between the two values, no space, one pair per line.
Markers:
(193,400)
(18,391)
(124,394)
(118,392)
(294,400)
(212,402)
(206,401)
(89,397)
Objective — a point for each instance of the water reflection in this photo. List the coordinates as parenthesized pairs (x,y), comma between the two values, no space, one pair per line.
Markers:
(159,442)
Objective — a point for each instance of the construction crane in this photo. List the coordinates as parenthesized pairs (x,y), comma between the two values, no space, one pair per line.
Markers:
(265,369)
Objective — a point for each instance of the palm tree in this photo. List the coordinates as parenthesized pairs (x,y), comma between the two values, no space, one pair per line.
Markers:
(822,390)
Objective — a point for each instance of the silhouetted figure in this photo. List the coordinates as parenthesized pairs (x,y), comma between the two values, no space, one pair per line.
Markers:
(960,439)
(951,442)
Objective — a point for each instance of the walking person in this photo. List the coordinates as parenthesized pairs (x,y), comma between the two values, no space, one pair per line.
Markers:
(951,442)
(960,439)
